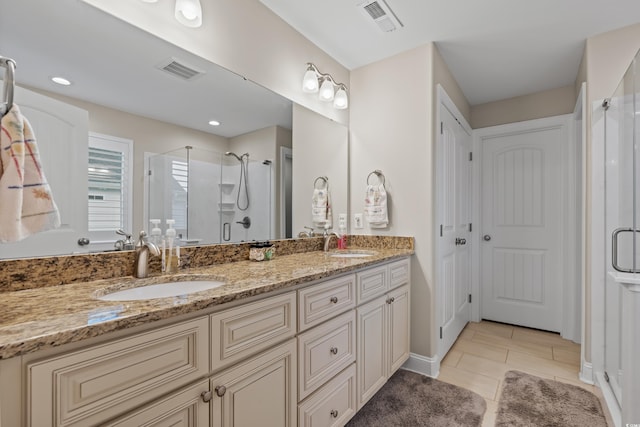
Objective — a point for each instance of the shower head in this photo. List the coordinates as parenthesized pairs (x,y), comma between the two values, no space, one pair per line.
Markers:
(229,153)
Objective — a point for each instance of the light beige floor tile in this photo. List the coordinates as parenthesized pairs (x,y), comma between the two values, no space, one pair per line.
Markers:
(566,356)
(482,350)
(489,419)
(466,334)
(575,381)
(480,365)
(492,328)
(539,350)
(549,367)
(452,358)
(481,384)
(541,337)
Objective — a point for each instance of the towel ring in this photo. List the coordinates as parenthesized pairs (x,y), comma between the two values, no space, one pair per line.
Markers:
(377,173)
(323,179)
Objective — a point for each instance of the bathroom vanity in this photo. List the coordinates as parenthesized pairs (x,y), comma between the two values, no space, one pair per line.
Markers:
(305,339)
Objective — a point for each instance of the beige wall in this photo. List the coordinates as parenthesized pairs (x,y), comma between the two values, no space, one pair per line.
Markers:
(442,75)
(244,37)
(391,130)
(548,103)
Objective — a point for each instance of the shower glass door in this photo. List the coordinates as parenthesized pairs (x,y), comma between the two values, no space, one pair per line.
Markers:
(622,214)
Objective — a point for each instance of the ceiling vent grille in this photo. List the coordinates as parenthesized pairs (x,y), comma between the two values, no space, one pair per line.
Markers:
(382,15)
(179,69)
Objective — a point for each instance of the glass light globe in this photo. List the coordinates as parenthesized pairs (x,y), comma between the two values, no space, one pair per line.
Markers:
(326,91)
(341,101)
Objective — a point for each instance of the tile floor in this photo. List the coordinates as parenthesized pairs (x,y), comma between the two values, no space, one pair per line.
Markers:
(485,351)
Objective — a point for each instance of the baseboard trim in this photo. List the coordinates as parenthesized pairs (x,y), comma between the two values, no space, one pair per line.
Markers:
(609,399)
(429,366)
(586,373)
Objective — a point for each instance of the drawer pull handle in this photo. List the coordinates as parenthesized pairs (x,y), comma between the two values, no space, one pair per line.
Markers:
(333,350)
(390,300)
(334,413)
(220,390)
(334,300)
(206,396)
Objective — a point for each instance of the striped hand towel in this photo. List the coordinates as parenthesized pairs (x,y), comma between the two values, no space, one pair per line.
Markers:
(26,203)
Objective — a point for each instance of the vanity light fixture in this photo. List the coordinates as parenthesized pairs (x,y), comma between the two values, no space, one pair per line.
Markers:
(189,13)
(314,81)
(61,81)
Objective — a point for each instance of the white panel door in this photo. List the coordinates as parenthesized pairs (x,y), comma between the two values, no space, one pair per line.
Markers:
(522,191)
(62,135)
(454,205)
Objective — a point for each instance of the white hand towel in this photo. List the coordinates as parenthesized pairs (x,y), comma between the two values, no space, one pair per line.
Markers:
(321,207)
(375,206)
(26,203)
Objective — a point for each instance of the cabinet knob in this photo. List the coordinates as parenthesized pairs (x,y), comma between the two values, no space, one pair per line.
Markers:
(220,390)
(334,413)
(206,396)
(333,350)
(393,299)
(334,300)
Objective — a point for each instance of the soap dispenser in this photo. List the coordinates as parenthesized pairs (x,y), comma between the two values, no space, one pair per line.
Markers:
(155,236)
(172,248)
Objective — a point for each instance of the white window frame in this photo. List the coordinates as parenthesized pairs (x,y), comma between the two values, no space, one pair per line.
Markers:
(125,146)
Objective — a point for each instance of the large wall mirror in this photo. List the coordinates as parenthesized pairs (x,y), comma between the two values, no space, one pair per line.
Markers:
(129,141)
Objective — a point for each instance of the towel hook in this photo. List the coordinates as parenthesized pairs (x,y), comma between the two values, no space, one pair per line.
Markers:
(323,179)
(9,82)
(377,173)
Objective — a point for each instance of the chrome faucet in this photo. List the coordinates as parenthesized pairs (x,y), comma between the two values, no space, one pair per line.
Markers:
(327,239)
(143,247)
(308,233)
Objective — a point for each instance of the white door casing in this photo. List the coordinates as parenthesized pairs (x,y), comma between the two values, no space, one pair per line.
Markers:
(453,246)
(522,214)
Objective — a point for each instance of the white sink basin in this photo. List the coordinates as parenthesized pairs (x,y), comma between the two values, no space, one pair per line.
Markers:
(162,290)
(351,254)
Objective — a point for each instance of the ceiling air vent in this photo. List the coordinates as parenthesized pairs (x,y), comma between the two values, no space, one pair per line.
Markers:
(179,69)
(381,14)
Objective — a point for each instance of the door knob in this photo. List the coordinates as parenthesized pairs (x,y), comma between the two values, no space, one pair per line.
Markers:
(486,237)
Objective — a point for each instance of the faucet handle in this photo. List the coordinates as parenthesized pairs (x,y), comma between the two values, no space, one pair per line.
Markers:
(142,239)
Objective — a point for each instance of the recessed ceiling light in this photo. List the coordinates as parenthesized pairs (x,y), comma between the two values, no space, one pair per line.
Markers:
(214,123)
(61,81)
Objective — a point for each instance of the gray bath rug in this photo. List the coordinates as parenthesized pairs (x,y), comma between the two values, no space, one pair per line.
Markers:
(413,400)
(527,400)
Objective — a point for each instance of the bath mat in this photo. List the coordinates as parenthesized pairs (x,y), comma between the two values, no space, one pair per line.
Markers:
(527,400)
(413,400)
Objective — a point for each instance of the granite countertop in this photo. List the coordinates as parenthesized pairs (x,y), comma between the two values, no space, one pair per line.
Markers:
(35,319)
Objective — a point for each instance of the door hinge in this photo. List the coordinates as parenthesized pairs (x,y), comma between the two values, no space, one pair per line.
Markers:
(441,128)
(440,230)
(470,227)
(469,298)
(470,156)
(149,172)
(440,332)
(606,376)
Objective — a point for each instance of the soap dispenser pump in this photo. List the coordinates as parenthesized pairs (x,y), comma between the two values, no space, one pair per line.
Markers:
(172,248)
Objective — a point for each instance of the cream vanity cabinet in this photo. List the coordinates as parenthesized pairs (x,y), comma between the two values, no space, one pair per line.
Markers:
(382,325)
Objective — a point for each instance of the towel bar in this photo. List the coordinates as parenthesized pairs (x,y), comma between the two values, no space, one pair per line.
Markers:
(379,174)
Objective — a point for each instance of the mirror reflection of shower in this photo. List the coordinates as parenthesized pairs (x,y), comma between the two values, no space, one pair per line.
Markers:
(244,167)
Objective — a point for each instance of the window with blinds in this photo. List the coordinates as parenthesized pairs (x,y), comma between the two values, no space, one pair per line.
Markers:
(180,192)
(110,184)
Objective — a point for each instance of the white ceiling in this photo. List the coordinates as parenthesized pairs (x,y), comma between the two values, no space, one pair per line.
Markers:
(496,49)
(112,63)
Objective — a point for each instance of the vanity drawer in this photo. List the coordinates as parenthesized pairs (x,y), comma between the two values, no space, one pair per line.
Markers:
(333,404)
(399,273)
(242,331)
(325,300)
(371,283)
(88,387)
(324,351)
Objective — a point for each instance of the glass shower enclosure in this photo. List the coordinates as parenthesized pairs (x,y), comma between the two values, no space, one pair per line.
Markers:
(622,219)
(213,197)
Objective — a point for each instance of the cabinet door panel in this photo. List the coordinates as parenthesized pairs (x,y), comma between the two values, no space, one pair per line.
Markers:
(399,319)
(89,386)
(371,283)
(324,351)
(257,392)
(333,404)
(242,331)
(372,348)
(399,273)
(181,409)
(325,300)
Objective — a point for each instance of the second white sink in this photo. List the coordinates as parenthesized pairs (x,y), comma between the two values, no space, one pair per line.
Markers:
(346,253)
(162,290)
